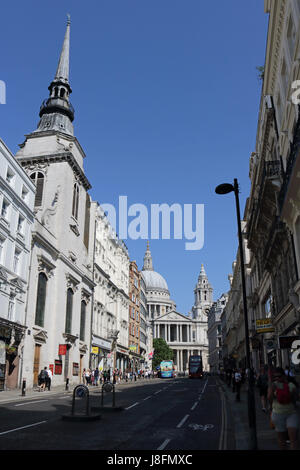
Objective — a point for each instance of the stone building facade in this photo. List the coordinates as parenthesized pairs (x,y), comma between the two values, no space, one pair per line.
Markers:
(17,193)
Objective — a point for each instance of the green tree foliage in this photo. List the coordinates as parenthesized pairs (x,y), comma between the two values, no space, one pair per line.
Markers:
(261,72)
(162,352)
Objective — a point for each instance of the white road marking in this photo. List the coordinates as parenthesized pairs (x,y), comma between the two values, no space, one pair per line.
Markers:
(132,406)
(194,405)
(147,398)
(30,402)
(182,421)
(164,444)
(23,427)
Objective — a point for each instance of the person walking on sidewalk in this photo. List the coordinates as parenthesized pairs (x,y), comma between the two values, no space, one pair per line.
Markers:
(238,383)
(282,396)
(42,379)
(49,379)
(262,384)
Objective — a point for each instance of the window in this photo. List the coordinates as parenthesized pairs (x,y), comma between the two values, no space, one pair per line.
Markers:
(9,176)
(75,201)
(38,179)
(5,208)
(2,241)
(291,36)
(21,223)
(16,262)
(82,320)
(69,308)
(11,311)
(24,194)
(41,299)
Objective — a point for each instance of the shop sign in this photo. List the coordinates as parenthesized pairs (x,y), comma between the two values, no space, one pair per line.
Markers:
(62,349)
(286,342)
(51,367)
(264,326)
(132,347)
(102,343)
(57,367)
(95,350)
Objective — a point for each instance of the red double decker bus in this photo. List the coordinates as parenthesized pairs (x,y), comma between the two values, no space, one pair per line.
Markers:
(195,367)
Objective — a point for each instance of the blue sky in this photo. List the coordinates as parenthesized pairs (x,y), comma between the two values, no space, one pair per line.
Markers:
(166,97)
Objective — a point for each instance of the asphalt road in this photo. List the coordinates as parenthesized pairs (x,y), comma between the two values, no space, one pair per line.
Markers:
(166,414)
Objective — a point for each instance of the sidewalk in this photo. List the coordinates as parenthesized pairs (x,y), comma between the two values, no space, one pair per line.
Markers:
(16,394)
(266,437)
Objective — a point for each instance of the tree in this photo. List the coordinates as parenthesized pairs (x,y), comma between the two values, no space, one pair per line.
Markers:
(162,352)
(261,72)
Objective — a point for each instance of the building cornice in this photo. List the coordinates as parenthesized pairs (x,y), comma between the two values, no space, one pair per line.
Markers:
(58,158)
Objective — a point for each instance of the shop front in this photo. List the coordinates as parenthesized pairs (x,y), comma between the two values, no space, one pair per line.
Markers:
(10,339)
(122,358)
(100,352)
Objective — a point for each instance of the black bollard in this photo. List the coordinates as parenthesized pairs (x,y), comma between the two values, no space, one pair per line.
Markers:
(67,384)
(24,388)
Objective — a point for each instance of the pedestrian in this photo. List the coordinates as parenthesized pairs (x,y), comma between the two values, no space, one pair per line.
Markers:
(262,384)
(96,376)
(282,396)
(42,379)
(238,383)
(233,379)
(49,379)
(88,377)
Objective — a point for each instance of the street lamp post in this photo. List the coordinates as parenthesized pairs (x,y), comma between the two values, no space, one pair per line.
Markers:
(225,189)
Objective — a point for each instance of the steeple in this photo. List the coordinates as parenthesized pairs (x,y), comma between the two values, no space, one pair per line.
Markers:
(56,112)
(148,265)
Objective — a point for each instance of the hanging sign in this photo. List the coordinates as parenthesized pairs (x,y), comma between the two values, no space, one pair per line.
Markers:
(62,349)
(264,326)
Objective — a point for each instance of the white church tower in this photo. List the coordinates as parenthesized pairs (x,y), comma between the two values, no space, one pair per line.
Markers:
(58,314)
(202,304)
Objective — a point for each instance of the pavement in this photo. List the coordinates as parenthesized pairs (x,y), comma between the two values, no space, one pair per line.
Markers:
(16,394)
(266,437)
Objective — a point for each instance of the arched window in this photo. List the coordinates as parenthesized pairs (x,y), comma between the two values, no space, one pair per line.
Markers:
(82,320)
(69,309)
(56,91)
(38,178)
(41,300)
(62,92)
(75,201)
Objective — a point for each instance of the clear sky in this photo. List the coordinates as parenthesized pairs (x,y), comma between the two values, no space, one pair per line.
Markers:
(166,97)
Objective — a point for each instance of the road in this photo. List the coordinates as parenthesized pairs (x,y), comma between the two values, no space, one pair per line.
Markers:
(165,414)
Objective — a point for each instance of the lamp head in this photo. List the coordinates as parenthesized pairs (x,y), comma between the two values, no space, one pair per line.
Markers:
(224,188)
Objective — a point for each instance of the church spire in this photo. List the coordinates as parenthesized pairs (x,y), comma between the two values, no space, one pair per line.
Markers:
(56,112)
(63,68)
(148,265)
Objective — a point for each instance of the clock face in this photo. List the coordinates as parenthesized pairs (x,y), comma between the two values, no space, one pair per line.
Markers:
(206,311)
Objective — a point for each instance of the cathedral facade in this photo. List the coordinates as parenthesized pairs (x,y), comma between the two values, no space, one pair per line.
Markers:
(186,335)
